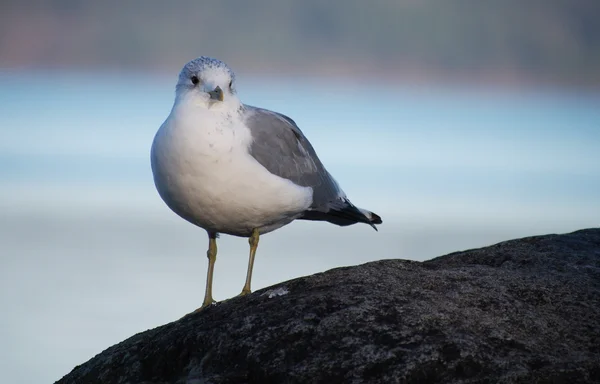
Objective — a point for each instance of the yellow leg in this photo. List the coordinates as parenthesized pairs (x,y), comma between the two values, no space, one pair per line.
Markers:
(212,257)
(253,240)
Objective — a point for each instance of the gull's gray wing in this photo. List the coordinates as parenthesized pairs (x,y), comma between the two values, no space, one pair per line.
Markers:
(281,147)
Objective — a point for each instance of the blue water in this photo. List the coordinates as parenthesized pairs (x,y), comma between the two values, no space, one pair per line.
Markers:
(384,143)
(89,254)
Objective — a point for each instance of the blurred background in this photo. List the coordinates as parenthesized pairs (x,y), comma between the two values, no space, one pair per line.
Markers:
(461,123)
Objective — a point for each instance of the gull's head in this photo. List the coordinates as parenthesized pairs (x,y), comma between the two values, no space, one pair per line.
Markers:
(209,83)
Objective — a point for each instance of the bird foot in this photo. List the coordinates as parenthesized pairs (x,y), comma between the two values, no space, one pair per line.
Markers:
(204,305)
(245,292)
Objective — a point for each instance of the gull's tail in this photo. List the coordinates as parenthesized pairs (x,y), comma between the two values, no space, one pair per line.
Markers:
(373,217)
(343,213)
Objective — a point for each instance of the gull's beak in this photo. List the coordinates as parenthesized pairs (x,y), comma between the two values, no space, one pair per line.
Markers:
(216,94)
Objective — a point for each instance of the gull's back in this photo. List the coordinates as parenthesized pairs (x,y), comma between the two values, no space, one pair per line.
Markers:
(279,145)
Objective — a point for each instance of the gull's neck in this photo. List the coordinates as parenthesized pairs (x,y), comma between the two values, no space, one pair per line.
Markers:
(211,130)
(193,106)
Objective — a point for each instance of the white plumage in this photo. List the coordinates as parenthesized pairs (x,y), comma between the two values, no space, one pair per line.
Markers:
(204,172)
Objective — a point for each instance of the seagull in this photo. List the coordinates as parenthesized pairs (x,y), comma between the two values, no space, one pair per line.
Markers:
(235,169)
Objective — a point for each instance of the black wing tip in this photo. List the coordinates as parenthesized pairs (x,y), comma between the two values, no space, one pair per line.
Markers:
(344,215)
(356,215)
(374,219)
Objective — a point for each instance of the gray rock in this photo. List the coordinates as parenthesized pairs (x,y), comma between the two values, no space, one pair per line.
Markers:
(525,310)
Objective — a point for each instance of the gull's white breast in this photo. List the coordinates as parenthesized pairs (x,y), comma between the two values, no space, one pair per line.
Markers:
(204,173)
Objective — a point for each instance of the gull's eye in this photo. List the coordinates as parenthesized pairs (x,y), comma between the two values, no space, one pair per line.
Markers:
(195,80)
(230,84)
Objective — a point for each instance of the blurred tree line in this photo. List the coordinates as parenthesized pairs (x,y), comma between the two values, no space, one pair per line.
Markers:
(551,41)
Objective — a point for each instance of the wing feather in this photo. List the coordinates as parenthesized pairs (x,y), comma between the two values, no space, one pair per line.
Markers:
(279,145)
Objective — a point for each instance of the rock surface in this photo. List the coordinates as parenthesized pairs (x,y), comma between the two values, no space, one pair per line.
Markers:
(525,310)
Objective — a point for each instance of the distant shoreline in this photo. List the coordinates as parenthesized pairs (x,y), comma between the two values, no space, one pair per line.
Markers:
(513,81)
(500,44)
